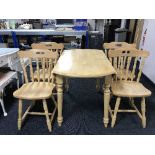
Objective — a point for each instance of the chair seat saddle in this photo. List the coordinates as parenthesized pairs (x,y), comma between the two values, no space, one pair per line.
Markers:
(35,91)
(129,89)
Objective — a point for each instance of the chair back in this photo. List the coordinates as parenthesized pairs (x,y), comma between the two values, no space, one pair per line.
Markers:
(52,46)
(128,60)
(117,45)
(59,47)
(40,60)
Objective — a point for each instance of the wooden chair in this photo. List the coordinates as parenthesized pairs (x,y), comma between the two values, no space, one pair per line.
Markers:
(36,90)
(124,45)
(117,45)
(55,49)
(57,46)
(122,86)
(113,46)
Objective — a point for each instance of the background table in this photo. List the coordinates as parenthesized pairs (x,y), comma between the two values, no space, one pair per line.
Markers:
(83,63)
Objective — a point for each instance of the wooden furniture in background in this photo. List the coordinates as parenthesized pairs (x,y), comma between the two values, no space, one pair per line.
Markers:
(123,86)
(83,63)
(9,59)
(59,47)
(6,77)
(32,90)
(117,45)
(55,48)
(113,46)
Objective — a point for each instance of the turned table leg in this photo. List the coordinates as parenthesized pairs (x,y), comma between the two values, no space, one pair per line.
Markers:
(106,99)
(59,86)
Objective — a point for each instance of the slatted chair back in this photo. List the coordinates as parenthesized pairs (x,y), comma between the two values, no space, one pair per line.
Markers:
(39,60)
(52,46)
(58,47)
(41,46)
(125,61)
(117,45)
(48,46)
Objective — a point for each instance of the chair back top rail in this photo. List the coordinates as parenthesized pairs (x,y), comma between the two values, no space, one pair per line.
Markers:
(52,46)
(37,53)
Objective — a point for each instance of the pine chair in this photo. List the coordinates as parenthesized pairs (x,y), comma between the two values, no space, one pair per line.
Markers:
(117,45)
(121,45)
(122,86)
(113,46)
(55,49)
(57,46)
(36,90)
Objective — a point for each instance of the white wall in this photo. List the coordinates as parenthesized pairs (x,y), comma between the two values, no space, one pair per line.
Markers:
(149,45)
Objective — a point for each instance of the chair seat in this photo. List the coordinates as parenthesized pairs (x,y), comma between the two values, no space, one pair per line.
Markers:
(34,91)
(129,89)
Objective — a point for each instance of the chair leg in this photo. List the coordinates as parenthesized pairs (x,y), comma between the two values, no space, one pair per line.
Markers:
(47,115)
(131,102)
(55,103)
(97,85)
(19,114)
(143,112)
(115,111)
(66,84)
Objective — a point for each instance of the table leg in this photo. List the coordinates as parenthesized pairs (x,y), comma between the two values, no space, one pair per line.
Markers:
(59,86)
(106,99)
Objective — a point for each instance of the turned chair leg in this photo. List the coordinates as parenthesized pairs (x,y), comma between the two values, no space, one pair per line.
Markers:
(143,112)
(19,114)
(115,111)
(47,115)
